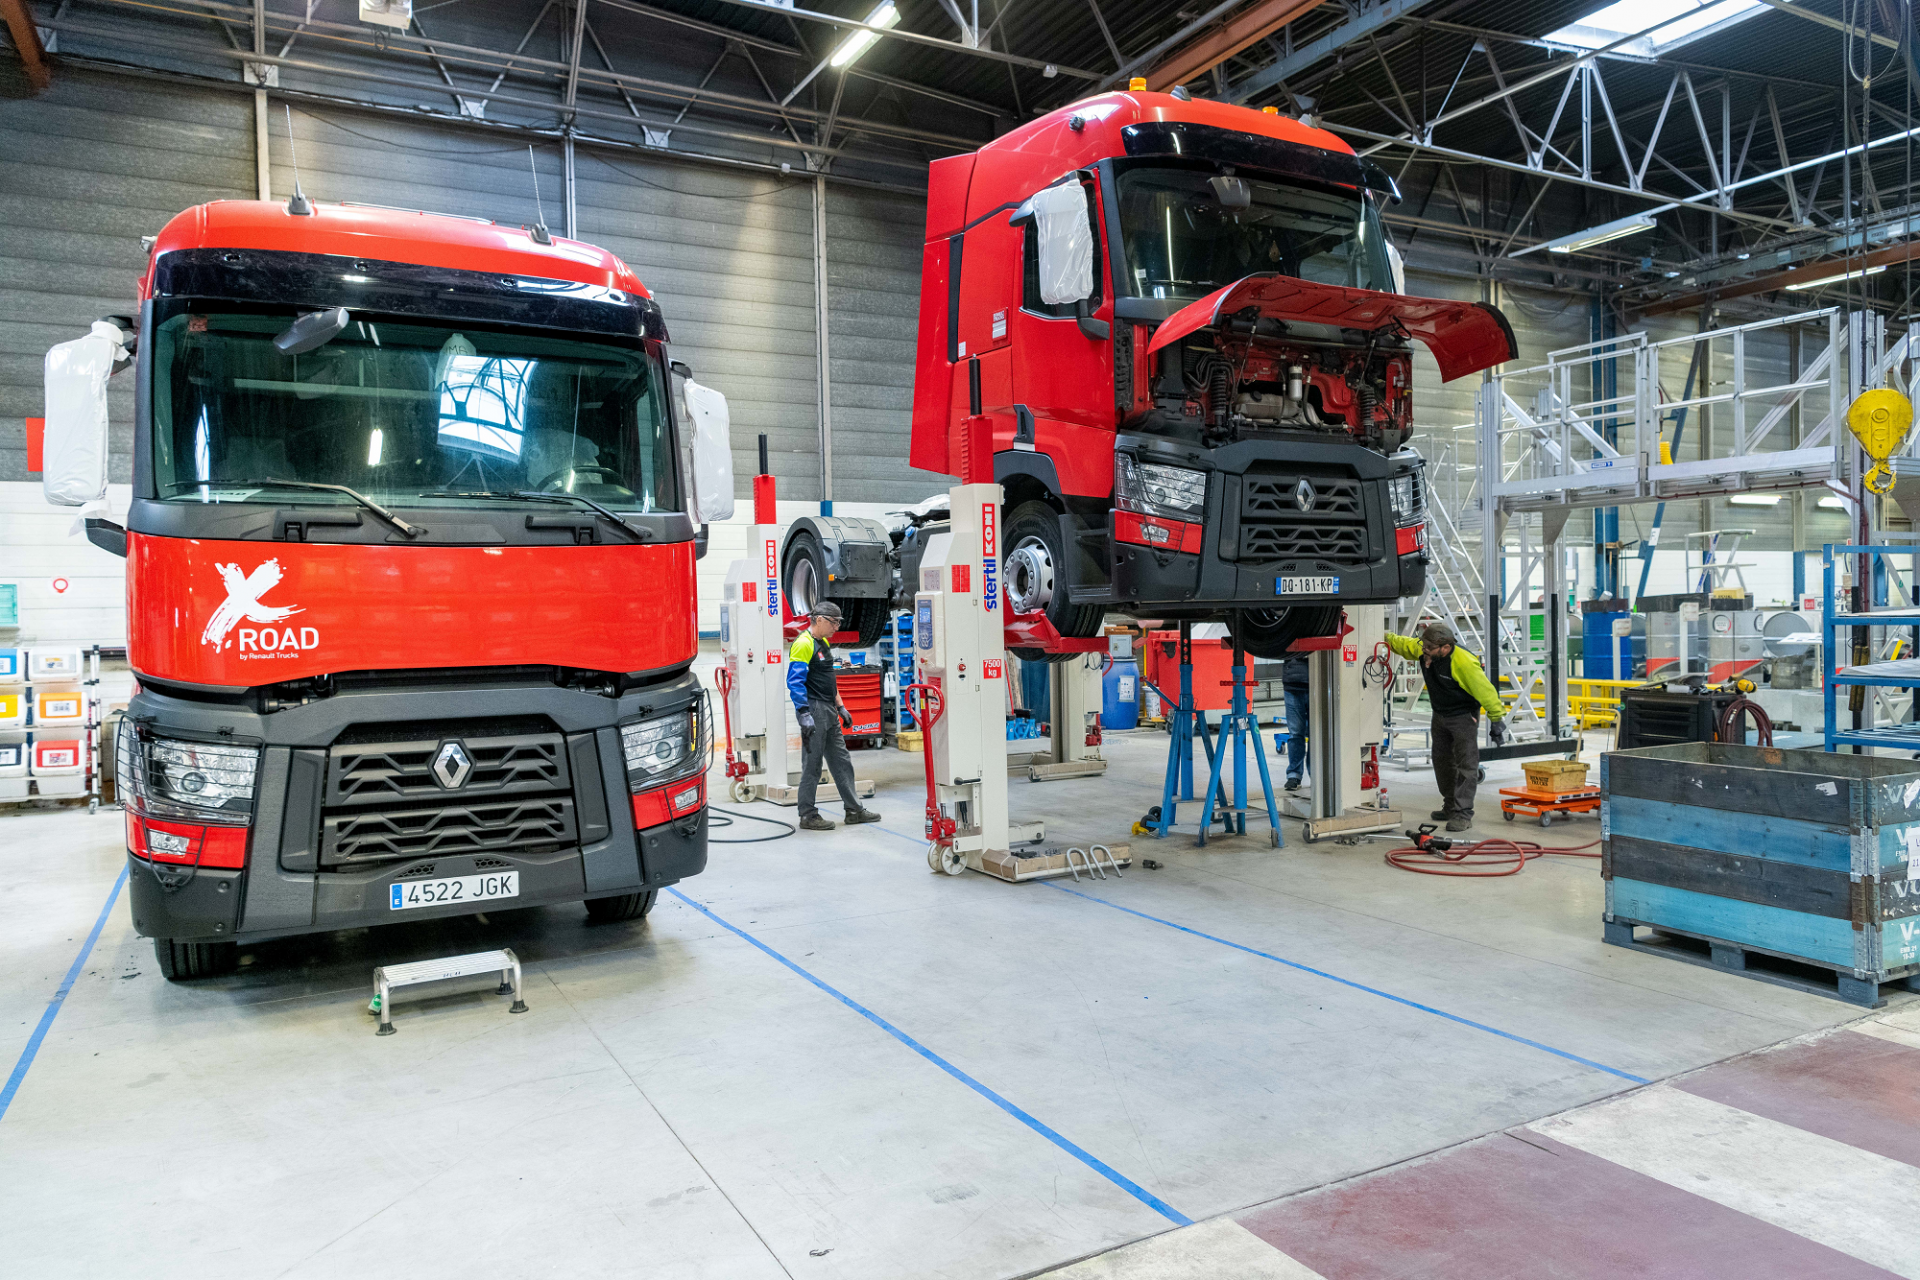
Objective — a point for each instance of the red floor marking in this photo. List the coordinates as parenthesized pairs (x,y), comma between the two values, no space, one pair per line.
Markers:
(1855,1089)
(1507,1209)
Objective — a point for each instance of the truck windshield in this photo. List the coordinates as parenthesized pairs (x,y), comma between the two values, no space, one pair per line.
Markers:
(1182,242)
(405,413)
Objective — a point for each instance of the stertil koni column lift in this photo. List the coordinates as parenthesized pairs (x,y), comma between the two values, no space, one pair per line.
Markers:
(754,627)
(959,635)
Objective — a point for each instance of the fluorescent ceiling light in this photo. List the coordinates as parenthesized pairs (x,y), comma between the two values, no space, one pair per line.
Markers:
(884,15)
(1834,504)
(1578,240)
(1836,278)
(1755,499)
(1692,19)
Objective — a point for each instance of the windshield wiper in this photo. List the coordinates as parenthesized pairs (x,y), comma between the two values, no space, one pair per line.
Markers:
(410,530)
(528,495)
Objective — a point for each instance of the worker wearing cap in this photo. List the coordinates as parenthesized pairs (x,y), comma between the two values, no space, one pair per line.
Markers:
(1458,689)
(816,698)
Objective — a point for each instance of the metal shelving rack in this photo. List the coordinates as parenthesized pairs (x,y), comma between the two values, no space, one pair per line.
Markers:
(1902,673)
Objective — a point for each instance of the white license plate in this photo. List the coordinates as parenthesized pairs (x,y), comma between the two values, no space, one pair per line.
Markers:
(1308,587)
(408,894)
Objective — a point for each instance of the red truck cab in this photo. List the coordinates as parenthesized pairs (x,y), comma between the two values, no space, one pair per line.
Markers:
(1174,331)
(410,580)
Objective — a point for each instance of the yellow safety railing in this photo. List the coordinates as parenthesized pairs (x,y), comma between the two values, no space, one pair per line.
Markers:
(1596,702)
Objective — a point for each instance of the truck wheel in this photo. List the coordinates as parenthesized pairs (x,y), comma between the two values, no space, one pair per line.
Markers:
(185,961)
(1035,569)
(1268,633)
(805,575)
(627,906)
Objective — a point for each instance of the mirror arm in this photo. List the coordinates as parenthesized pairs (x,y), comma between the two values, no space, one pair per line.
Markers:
(1098,330)
(108,536)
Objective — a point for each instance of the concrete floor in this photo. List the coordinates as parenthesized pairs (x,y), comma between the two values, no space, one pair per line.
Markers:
(823,1060)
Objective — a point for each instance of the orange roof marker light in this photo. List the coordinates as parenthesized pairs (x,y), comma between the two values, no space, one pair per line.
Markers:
(1138,84)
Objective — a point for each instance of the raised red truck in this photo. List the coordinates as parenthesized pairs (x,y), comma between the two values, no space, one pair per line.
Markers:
(1175,332)
(410,575)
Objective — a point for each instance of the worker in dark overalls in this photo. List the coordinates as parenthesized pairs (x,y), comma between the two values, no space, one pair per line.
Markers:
(1294,687)
(1458,689)
(816,698)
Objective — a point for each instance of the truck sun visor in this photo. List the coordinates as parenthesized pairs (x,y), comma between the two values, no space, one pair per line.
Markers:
(1465,337)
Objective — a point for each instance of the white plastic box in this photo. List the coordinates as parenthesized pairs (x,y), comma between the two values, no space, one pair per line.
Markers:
(13,758)
(13,708)
(58,757)
(53,665)
(12,668)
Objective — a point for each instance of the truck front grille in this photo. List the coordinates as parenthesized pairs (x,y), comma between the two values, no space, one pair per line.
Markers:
(384,801)
(1344,543)
(511,826)
(1273,527)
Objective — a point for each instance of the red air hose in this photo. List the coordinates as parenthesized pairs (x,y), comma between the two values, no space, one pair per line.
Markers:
(1478,859)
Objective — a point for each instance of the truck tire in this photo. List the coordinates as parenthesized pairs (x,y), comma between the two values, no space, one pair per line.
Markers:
(185,961)
(626,906)
(1267,633)
(1034,573)
(805,573)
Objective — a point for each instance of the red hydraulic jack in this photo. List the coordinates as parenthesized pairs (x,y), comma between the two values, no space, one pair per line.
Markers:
(940,827)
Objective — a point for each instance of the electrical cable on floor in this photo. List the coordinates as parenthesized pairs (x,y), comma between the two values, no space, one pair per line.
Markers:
(1478,859)
(714,820)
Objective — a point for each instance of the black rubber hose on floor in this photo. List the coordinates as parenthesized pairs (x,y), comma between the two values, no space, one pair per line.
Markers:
(715,819)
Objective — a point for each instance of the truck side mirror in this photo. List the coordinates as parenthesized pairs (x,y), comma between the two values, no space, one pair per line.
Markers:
(712,454)
(1065,243)
(75,467)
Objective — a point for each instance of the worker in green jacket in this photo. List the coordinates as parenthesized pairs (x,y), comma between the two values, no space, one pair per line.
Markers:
(1458,688)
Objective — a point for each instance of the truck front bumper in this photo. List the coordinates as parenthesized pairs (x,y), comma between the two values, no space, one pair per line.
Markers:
(1255,532)
(294,880)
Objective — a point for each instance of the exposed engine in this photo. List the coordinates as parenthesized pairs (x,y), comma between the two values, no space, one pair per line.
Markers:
(1257,375)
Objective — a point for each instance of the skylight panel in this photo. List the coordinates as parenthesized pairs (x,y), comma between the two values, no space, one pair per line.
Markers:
(1692,20)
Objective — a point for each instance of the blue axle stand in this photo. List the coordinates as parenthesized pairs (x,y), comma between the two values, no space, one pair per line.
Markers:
(1239,724)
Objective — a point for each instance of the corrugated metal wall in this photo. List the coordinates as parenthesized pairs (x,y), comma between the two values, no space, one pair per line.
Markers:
(86,169)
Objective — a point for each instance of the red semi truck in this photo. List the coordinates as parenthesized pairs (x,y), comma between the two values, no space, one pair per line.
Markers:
(410,575)
(1175,332)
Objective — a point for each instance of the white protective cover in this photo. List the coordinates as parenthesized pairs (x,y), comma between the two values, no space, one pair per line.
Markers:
(1065,243)
(712,454)
(76,434)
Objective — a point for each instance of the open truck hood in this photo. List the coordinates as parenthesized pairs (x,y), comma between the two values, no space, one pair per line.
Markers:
(1465,337)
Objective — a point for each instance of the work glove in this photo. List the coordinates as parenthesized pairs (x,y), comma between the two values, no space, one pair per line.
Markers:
(1497,733)
(846,718)
(806,721)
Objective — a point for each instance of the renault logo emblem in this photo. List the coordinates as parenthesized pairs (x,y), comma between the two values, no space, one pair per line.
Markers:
(1304,496)
(451,765)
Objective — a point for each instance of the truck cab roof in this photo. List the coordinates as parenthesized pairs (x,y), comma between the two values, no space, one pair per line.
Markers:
(963,189)
(381,234)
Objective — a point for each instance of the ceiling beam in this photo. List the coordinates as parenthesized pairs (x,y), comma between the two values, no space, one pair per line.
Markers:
(909,37)
(1174,41)
(1358,27)
(26,42)
(1892,255)
(1211,48)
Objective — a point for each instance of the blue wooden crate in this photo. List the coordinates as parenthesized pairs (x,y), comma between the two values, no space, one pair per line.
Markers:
(1802,855)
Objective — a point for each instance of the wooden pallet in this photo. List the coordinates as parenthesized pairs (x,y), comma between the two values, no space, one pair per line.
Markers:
(1777,967)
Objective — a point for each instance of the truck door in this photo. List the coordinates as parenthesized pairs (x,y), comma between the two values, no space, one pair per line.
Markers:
(1062,375)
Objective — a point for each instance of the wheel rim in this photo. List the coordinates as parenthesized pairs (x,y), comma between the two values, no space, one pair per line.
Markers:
(1028,576)
(1265,619)
(801,586)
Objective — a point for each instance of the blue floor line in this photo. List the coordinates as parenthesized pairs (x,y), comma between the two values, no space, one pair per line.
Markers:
(32,1050)
(1100,1167)
(1361,986)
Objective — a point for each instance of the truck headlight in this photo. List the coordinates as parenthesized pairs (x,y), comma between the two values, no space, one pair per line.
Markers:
(177,778)
(666,748)
(1157,489)
(1407,492)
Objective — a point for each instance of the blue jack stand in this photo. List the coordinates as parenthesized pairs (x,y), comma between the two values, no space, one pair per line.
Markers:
(1185,723)
(1241,724)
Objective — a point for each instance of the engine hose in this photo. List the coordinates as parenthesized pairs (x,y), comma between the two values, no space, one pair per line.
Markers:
(1221,385)
(1480,859)
(1762,723)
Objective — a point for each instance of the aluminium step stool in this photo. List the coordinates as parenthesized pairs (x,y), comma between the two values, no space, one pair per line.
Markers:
(503,962)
